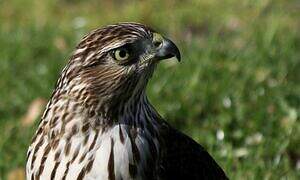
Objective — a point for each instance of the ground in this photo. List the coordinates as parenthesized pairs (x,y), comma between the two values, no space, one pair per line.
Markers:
(236,91)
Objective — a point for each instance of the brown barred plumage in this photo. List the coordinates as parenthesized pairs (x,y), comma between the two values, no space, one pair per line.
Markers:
(99,123)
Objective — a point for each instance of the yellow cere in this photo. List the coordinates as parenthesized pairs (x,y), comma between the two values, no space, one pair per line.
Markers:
(157,40)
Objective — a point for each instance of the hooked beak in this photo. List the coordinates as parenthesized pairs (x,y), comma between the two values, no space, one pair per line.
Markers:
(167,50)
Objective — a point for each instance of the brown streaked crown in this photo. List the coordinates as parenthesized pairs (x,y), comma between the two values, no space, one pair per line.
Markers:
(105,39)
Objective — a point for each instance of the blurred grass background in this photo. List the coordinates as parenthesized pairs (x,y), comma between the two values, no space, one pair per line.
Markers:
(237,90)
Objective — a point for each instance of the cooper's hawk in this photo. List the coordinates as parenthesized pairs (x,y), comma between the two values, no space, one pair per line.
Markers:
(99,123)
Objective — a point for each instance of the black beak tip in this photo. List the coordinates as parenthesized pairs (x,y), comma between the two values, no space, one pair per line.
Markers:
(173,50)
(178,56)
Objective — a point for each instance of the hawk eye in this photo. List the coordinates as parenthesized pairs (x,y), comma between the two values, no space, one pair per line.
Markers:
(157,40)
(121,54)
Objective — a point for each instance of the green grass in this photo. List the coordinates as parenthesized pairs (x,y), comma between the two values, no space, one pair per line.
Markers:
(240,73)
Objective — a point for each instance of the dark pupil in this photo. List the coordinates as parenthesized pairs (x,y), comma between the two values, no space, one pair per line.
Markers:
(122,53)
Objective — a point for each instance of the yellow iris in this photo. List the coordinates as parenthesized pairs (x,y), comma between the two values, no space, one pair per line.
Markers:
(121,54)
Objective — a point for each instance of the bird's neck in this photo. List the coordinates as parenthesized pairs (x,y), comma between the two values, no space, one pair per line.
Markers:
(139,112)
(65,109)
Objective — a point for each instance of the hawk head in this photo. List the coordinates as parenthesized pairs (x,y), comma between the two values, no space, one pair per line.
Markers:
(112,65)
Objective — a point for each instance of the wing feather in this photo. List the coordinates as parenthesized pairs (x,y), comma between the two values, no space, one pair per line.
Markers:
(183,158)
